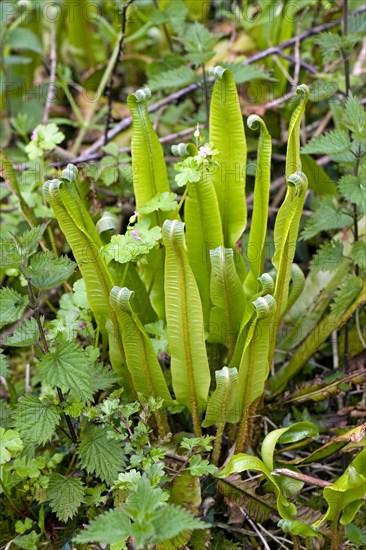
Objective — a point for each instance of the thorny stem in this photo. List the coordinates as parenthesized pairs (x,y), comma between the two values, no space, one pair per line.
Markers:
(45,349)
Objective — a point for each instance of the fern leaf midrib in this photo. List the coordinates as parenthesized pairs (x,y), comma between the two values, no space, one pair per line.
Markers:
(185,331)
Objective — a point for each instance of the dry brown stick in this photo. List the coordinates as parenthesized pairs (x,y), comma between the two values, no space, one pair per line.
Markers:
(309,480)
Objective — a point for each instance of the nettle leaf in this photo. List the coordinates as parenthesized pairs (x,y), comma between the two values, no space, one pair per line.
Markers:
(101,455)
(111,527)
(162,201)
(357,24)
(246,73)
(199,43)
(36,420)
(28,241)
(26,334)
(327,217)
(12,306)
(134,244)
(174,78)
(328,257)
(10,254)
(47,270)
(102,378)
(4,365)
(173,520)
(65,495)
(10,444)
(353,190)
(358,254)
(331,143)
(346,294)
(68,366)
(331,45)
(355,117)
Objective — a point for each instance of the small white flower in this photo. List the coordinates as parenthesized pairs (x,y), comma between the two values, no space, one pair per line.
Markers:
(205,151)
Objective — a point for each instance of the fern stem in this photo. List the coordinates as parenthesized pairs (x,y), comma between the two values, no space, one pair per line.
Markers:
(218,443)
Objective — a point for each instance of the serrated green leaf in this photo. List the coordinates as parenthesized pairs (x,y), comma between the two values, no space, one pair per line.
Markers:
(47,270)
(358,254)
(331,45)
(173,520)
(28,241)
(246,73)
(10,444)
(354,117)
(173,78)
(101,455)
(111,527)
(101,378)
(346,294)
(199,43)
(26,334)
(12,306)
(68,366)
(331,143)
(35,420)
(162,201)
(326,218)
(10,254)
(356,535)
(328,257)
(65,495)
(4,365)
(352,189)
